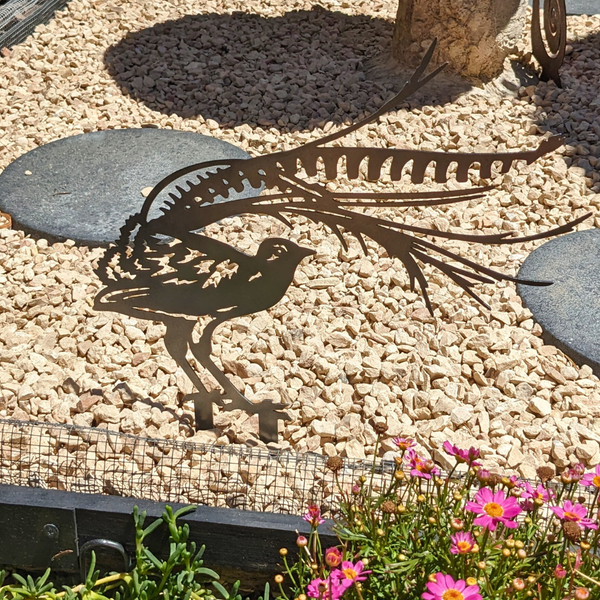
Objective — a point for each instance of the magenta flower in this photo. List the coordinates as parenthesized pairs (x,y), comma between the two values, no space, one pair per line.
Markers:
(313,516)
(591,479)
(539,493)
(493,508)
(420,466)
(403,443)
(462,456)
(574,512)
(462,543)
(325,589)
(349,574)
(445,588)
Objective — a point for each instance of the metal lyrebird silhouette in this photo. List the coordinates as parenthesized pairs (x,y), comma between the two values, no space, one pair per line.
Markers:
(166,269)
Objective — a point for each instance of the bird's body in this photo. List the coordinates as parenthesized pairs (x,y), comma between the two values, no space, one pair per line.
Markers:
(189,285)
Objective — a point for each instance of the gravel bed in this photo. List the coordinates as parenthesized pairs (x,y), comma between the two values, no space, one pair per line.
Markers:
(349,346)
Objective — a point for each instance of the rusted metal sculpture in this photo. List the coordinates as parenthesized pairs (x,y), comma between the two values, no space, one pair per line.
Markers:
(549,47)
(164,268)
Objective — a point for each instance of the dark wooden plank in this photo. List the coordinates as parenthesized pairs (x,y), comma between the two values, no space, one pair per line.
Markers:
(240,540)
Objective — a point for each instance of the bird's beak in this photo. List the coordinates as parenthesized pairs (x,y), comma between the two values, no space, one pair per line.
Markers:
(304,252)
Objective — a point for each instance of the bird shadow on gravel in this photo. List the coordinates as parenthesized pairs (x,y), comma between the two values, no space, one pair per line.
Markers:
(573,111)
(291,72)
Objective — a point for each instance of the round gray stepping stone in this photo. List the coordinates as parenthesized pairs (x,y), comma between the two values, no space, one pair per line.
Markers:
(569,309)
(84,187)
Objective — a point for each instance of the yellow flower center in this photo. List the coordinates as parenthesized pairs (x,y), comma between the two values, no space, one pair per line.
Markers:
(571,516)
(596,481)
(452,595)
(493,509)
(463,547)
(350,574)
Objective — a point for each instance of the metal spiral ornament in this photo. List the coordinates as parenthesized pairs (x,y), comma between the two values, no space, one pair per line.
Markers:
(549,49)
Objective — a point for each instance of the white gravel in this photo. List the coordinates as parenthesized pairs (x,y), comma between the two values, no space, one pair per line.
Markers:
(349,345)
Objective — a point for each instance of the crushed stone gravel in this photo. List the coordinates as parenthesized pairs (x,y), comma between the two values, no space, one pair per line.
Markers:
(349,346)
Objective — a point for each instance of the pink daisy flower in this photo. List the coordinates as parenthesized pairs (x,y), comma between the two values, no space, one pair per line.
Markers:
(462,456)
(325,589)
(445,588)
(591,479)
(313,516)
(420,466)
(539,493)
(494,508)
(462,543)
(574,512)
(349,573)
(403,443)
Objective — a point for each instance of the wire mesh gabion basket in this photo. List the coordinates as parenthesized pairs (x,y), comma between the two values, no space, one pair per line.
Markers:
(100,461)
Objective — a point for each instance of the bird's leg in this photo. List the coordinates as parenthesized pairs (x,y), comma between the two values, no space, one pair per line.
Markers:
(177,339)
(202,351)
(268,411)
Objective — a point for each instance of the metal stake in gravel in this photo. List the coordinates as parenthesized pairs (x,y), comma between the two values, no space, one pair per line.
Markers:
(555,37)
(162,268)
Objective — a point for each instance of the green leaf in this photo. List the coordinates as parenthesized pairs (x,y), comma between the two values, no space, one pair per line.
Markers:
(152,527)
(221,590)
(185,510)
(207,572)
(152,558)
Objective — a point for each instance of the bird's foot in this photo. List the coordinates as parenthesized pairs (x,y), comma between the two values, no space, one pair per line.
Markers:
(269,415)
(203,411)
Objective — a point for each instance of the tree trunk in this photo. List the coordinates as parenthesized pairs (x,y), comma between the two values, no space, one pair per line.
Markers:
(474,36)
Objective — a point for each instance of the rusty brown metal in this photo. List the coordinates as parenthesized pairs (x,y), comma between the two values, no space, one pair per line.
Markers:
(549,46)
(163,267)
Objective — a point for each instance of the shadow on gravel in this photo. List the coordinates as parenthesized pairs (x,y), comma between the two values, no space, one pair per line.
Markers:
(296,71)
(574,110)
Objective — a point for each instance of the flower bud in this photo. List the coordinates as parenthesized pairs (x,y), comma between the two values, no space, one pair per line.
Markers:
(421,498)
(301,541)
(457,496)
(585,546)
(471,581)
(531,579)
(510,543)
(401,556)
(432,578)
(506,552)
(380,532)
(399,475)
(521,554)
(481,565)
(278,578)
(302,597)
(581,593)
(475,549)
(365,561)
(401,509)
(431,520)
(519,544)
(457,524)
(283,551)
(518,584)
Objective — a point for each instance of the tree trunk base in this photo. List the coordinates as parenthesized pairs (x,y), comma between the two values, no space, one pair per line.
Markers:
(474,36)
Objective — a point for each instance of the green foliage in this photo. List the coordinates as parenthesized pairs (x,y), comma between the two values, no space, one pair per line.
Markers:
(182,576)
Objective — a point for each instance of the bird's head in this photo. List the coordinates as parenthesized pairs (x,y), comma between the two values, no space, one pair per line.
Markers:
(281,251)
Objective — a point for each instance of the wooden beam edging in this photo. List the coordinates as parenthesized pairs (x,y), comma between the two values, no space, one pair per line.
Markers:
(42,528)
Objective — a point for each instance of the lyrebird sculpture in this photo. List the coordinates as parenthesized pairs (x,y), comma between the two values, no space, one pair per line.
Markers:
(164,268)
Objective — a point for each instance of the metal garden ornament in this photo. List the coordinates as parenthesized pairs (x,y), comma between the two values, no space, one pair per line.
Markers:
(160,268)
